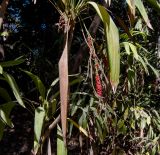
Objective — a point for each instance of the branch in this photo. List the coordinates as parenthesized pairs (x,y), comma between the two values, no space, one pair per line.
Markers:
(50,128)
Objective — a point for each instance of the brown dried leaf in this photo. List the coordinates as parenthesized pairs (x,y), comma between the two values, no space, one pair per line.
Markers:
(63,76)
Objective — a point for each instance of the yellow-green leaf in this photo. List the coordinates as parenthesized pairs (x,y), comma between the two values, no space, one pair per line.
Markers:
(61,149)
(143,12)
(154,4)
(1,69)
(112,38)
(79,127)
(11,81)
(38,125)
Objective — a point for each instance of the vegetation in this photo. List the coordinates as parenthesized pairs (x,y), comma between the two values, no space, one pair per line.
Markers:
(85,70)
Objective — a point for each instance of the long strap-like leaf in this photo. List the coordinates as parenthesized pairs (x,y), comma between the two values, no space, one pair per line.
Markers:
(63,76)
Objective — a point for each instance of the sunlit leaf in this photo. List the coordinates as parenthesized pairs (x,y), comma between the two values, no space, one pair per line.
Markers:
(127,48)
(108,2)
(134,50)
(79,127)
(153,69)
(61,149)
(126,114)
(112,38)
(142,123)
(11,81)
(131,4)
(1,69)
(120,123)
(143,12)
(148,120)
(38,125)
(5,110)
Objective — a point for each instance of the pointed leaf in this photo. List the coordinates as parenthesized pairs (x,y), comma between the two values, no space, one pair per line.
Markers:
(12,62)
(11,81)
(131,4)
(61,149)
(126,46)
(38,83)
(143,12)
(1,70)
(38,125)
(112,38)
(5,110)
(63,77)
(154,4)
(79,127)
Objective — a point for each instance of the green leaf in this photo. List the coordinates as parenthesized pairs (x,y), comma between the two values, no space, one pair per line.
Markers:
(4,94)
(79,127)
(40,86)
(131,78)
(126,114)
(5,110)
(134,50)
(142,123)
(154,149)
(126,46)
(11,81)
(152,68)
(138,57)
(148,120)
(12,62)
(52,85)
(1,69)
(143,12)
(120,123)
(99,130)
(112,38)
(154,4)
(61,149)
(38,125)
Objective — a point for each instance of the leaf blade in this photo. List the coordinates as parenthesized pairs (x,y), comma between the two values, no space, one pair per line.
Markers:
(112,38)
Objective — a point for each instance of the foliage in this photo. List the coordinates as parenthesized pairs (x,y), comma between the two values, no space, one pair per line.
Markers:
(111,101)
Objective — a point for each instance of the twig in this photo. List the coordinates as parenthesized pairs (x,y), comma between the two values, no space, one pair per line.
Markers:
(50,128)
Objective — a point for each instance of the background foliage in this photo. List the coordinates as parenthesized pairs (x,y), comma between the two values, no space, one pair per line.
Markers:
(87,72)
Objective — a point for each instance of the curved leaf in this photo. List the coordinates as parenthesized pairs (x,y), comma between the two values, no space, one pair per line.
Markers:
(61,149)
(5,110)
(11,81)
(38,125)
(1,70)
(143,12)
(112,38)
(12,62)
(154,4)
(40,86)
